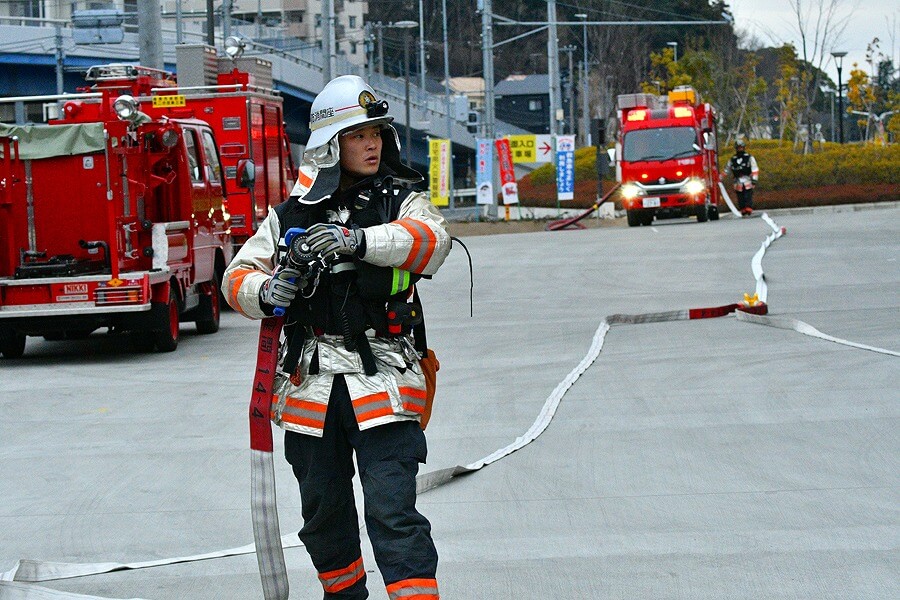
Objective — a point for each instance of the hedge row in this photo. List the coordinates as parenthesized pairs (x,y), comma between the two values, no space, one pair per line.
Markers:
(781,168)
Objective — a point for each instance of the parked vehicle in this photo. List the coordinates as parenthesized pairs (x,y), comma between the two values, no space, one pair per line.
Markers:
(666,157)
(119,213)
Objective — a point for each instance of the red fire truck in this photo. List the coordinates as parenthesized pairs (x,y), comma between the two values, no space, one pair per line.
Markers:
(665,157)
(115,215)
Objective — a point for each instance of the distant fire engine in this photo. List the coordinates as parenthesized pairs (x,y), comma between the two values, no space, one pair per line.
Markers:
(666,157)
(123,212)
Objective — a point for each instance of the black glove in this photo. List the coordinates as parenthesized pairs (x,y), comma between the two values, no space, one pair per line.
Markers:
(326,238)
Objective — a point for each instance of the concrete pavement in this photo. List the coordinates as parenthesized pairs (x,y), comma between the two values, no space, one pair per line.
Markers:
(699,459)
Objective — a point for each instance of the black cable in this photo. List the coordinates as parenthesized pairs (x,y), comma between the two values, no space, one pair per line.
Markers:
(471,277)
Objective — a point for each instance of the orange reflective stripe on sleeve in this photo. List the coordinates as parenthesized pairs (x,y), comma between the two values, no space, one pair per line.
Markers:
(339,579)
(424,242)
(413,589)
(236,280)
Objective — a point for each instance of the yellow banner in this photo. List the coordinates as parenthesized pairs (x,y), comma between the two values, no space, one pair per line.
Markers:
(439,171)
(169,100)
(523,148)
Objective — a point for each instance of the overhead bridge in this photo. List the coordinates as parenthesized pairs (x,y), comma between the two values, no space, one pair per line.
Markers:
(30,51)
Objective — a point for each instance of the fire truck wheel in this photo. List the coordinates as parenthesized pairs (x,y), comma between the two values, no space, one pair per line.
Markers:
(209,310)
(167,332)
(647,217)
(634,218)
(713,213)
(12,343)
(702,214)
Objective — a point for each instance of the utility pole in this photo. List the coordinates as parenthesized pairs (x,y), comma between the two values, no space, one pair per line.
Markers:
(447,94)
(380,44)
(487,56)
(421,47)
(210,24)
(179,25)
(585,99)
(553,64)
(226,18)
(150,34)
(571,89)
(60,59)
(327,40)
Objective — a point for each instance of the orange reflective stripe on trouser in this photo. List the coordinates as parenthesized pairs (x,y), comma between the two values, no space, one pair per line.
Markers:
(372,406)
(424,242)
(413,399)
(339,579)
(414,589)
(303,412)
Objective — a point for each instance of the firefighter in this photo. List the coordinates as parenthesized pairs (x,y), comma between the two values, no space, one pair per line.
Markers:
(346,383)
(742,167)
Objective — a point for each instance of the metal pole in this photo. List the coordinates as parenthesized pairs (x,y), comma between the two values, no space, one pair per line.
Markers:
(179,26)
(571,86)
(487,57)
(447,94)
(832,117)
(380,28)
(421,47)
(226,18)
(585,99)
(60,59)
(553,64)
(210,23)
(259,20)
(327,37)
(406,91)
(840,106)
(150,34)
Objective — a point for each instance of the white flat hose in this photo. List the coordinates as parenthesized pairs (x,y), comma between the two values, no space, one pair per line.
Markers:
(728,201)
(16,583)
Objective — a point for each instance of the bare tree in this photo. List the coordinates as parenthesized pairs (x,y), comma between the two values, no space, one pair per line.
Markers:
(819,25)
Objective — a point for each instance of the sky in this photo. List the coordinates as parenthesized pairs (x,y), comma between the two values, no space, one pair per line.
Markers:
(773,21)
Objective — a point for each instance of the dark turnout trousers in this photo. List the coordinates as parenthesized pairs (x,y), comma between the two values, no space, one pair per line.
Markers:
(388,457)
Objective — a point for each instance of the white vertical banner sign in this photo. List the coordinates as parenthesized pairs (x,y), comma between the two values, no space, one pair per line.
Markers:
(484,172)
(565,167)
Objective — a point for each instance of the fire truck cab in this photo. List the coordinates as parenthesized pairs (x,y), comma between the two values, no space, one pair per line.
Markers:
(666,157)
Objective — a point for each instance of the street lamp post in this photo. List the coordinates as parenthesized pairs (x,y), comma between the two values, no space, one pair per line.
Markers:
(675,47)
(840,63)
(406,26)
(585,126)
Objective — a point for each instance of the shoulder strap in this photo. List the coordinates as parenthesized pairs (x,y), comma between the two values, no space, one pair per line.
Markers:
(419,339)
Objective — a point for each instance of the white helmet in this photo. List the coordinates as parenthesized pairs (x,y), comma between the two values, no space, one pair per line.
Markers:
(345,102)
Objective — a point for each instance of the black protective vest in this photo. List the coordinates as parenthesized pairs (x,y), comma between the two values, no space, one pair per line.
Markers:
(740,165)
(347,303)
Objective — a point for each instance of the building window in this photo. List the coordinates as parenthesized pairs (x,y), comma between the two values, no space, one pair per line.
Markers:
(352,47)
(352,22)
(534,105)
(318,20)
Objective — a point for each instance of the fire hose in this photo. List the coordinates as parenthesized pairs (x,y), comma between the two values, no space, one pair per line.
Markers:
(17,583)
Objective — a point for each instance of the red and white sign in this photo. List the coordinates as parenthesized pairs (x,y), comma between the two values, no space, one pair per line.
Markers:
(507,175)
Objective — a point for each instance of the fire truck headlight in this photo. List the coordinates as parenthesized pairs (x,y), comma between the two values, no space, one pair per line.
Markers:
(630,191)
(169,137)
(125,107)
(694,187)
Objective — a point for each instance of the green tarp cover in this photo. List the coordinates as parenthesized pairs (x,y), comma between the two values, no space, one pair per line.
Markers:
(47,141)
